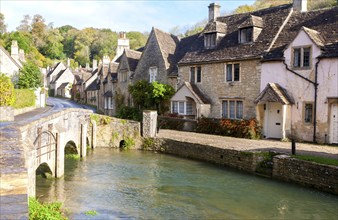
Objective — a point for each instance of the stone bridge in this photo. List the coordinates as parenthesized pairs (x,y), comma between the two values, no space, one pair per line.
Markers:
(41,143)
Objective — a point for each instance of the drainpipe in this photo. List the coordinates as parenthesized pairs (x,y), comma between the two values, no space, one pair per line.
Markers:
(315,84)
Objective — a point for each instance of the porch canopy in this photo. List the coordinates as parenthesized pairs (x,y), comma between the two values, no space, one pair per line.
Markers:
(273,92)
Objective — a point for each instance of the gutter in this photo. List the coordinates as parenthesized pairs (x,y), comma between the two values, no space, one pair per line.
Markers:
(315,84)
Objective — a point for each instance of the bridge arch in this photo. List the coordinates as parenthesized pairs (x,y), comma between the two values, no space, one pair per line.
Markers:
(71,148)
(44,170)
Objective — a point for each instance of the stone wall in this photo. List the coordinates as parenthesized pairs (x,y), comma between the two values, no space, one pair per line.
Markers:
(322,177)
(246,161)
(215,87)
(6,113)
(314,175)
(111,131)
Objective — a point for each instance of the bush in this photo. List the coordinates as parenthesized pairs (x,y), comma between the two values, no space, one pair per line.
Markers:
(7,96)
(229,127)
(24,98)
(171,121)
(39,211)
(130,113)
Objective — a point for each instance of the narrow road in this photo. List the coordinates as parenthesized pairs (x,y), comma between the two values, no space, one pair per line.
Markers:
(53,105)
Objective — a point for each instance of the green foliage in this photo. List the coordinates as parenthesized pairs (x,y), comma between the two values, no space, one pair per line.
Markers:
(171,121)
(91,213)
(151,95)
(30,76)
(148,143)
(129,142)
(7,95)
(228,127)
(73,156)
(136,39)
(50,211)
(24,98)
(316,159)
(130,113)
(3,26)
(100,119)
(53,47)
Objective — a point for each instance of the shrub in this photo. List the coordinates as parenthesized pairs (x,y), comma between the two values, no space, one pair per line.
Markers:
(131,113)
(171,121)
(7,96)
(39,211)
(24,98)
(230,127)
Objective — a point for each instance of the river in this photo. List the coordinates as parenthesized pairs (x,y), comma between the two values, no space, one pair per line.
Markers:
(144,185)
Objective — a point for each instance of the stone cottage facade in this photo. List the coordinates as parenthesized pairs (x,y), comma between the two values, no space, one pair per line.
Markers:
(299,82)
(223,63)
(11,63)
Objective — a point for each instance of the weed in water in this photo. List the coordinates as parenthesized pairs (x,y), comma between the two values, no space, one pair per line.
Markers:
(42,211)
(91,213)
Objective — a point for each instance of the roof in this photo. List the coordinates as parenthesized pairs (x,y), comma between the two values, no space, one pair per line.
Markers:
(321,27)
(108,94)
(229,48)
(81,77)
(133,57)
(252,21)
(63,85)
(10,57)
(93,86)
(196,92)
(58,76)
(167,43)
(53,68)
(215,26)
(273,92)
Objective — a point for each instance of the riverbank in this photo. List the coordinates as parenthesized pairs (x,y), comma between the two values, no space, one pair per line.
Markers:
(260,157)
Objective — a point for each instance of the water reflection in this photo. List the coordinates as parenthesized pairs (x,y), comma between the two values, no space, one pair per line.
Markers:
(143,185)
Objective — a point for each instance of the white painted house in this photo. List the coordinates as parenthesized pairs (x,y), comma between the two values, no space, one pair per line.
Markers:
(299,79)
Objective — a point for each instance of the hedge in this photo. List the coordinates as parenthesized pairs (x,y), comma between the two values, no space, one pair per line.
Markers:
(24,98)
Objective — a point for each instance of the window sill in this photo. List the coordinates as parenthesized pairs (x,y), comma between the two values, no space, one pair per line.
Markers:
(301,68)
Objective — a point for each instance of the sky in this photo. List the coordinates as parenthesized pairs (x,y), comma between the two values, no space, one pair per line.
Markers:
(113,14)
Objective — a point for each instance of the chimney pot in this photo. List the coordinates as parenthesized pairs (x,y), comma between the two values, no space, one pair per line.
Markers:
(214,11)
(300,5)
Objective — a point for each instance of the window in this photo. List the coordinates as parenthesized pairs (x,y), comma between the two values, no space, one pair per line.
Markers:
(232,109)
(195,74)
(245,35)
(152,74)
(301,57)
(182,107)
(308,113)
(232,72)
(123,75)
(210,40)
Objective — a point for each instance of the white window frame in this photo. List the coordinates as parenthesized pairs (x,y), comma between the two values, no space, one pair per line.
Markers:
(305,113)
(236,101)
(152,74)
(179,104)
(301,61)
(210,40)
(195,74)
(232,72)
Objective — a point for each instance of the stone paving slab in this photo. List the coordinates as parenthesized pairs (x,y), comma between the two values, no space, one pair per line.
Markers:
(250,145)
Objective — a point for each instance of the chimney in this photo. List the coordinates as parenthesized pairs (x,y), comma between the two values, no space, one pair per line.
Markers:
(68,62)
(214,11)
(22,55)
(122,44)
(15,50)
(300,5)
(105,60)
(94,64)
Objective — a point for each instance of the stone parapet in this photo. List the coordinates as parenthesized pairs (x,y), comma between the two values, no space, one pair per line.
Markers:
(6,113)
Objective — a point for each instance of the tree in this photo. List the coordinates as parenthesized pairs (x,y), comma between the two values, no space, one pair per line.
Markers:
(53,47)
(25,25)
(7,96)
(30,76)
(136,39)
(38,30)
(3,26)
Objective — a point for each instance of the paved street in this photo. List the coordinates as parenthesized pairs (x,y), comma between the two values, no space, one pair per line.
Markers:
(250,145)
(53,105)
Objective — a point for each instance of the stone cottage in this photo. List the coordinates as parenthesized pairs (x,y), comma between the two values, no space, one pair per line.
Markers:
(11,63)
(219,75)
(299,79)
(61,84)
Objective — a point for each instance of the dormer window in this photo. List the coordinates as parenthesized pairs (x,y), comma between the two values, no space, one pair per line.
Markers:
(245,35)
(301,57)
(210,40)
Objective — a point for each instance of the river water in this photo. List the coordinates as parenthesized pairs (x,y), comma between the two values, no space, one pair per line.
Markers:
(144,185)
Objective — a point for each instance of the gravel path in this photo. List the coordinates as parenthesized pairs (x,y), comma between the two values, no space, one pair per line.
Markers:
(250,145)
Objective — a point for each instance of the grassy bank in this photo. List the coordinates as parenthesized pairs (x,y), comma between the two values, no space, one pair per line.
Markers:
(43,211)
